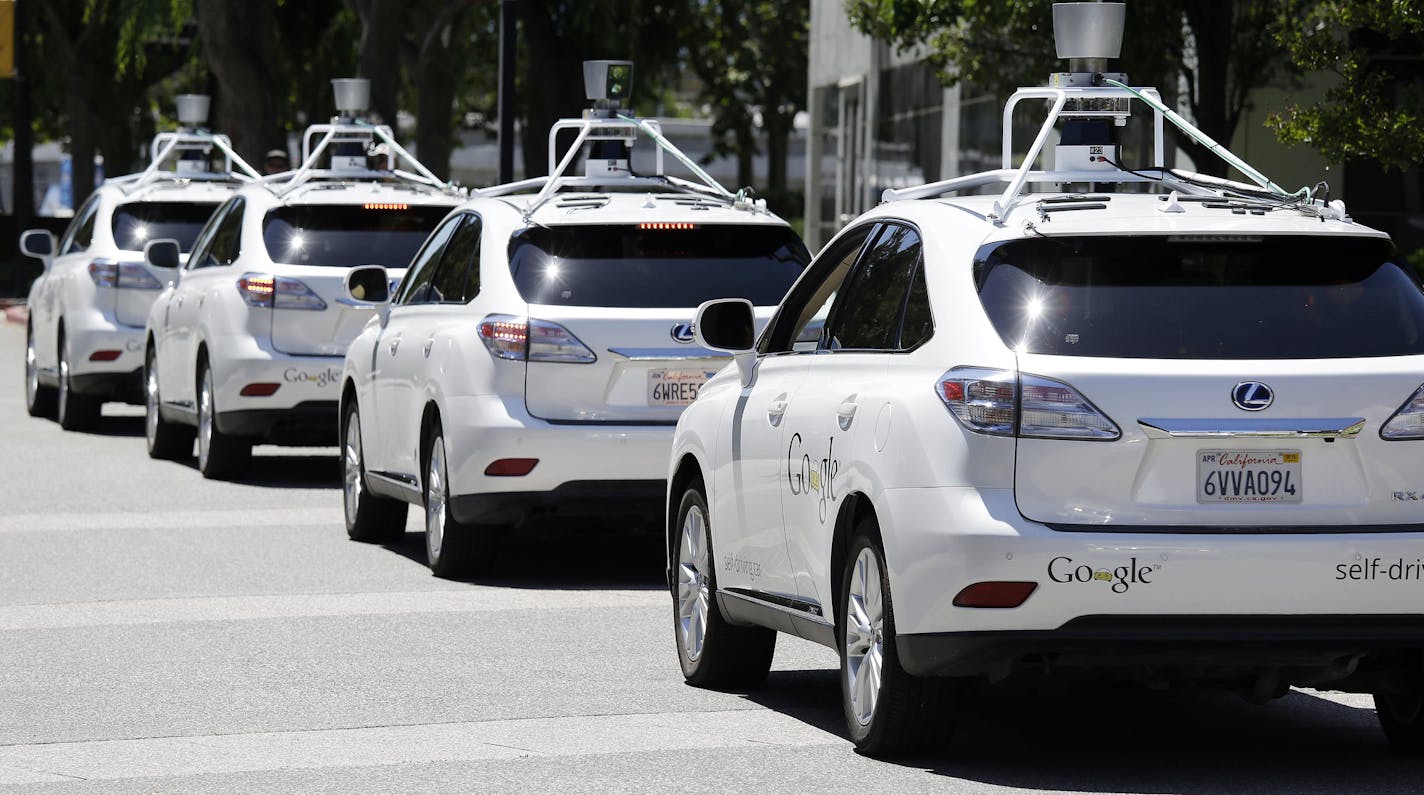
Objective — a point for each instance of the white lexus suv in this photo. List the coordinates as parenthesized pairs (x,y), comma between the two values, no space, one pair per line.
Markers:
(532,365)
(84,343)
(1170,435)
(245,347)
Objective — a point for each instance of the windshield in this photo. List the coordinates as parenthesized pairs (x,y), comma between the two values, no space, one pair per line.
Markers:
(136,223)
(345,236)
(629,266)
(1203,297)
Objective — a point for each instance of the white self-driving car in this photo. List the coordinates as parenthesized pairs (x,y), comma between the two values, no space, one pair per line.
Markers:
(532,365)
(246,345)
(1173,436)
(84,344)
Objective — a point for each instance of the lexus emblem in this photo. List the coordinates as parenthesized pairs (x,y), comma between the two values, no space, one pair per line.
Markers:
(682,332)
(1252,396)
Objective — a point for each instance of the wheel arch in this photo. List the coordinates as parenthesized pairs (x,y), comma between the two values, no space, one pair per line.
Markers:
(855,508)
(687,472)
(429,419)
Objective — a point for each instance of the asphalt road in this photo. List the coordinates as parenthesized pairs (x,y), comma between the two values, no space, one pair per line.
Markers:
(160,633)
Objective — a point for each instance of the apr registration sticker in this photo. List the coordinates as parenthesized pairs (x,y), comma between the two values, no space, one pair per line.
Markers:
(1248,476)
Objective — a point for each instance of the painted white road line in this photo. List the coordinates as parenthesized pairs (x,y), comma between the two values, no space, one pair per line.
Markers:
(473,599)
(391,745)
(159,520)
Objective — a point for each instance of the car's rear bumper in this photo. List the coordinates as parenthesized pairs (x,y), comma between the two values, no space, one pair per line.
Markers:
(308,424)
(630,505)
(106,358)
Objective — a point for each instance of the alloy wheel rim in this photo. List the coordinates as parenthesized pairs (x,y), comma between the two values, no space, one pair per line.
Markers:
(32,371)
(205,418)
(351,463)
(435,501)
(63,379)
(692,584)
(864,637)
(150,403)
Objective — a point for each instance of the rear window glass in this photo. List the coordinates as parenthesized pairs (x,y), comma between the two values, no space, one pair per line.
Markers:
(1202,297)
(626,266)
(136,223)
(344,236)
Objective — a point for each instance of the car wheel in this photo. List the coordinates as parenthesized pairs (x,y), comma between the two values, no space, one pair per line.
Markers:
(451,549)
(39,399)
(888,711)
(220,456)
(1401,716)
(713,652)
(166,440)
(369,517)
(76,412)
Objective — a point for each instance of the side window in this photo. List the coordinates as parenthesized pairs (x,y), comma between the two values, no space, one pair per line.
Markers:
(457,280)
(199,253)
(81,231)
(799,322)
(918,324)
(415,288)
(226,241)
(868,312)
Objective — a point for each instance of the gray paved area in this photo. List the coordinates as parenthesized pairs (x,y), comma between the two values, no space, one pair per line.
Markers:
(160,633)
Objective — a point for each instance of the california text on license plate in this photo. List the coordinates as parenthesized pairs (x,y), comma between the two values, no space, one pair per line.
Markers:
(1248,476)
(675,387)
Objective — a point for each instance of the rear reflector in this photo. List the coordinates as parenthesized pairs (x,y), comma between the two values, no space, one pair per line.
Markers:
(104,356)
(995,594)
(259,389)
(511,467)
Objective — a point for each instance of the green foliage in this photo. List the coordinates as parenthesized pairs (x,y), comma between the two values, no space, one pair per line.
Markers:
(1376,109)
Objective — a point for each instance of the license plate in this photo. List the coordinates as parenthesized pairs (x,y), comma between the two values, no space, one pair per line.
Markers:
(1253,476)
(675,387)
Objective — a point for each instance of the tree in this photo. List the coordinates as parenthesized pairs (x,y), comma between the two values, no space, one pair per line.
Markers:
(238,45)
(1221,48)
(751,56)
(1376,110)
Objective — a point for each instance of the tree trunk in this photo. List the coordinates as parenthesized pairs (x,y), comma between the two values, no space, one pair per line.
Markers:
(435,74)
(379,62)
(778,133)
(553,85)
(83,134)
(237,41)
(1210,98)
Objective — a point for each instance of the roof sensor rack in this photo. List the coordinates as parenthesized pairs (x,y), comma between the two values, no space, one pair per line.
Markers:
(1088,104)
(351,140)
(610,136)
(193,144)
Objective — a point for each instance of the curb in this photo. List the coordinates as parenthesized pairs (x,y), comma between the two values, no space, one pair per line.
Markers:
(19,313)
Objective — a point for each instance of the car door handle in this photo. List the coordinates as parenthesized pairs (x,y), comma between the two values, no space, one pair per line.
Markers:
(429,343)
(845,415)
(395,343)
(774,411)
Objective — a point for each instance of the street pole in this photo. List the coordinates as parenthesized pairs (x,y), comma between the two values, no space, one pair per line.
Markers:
(508,40)
(23,195)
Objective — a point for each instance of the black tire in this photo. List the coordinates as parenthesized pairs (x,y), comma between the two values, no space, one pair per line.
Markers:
(1401,716)
(369,517)
(220,456)
(75,412)
(168,441)
(907,714)
(39,399)
(725,656)
(451,549)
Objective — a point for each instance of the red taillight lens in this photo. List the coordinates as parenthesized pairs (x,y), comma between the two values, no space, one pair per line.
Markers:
(104,272)
(1004,403)
(123,275)
(510,337)
(256,289)
(506,337)
(511,467)
(995,594)
(262,289)
(260,389)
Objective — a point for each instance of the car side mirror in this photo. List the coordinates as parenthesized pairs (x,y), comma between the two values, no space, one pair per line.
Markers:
(162,253)
(369,283)
(38,243)
(729,325)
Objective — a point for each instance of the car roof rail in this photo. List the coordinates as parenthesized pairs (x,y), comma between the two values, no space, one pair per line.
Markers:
(1088,103)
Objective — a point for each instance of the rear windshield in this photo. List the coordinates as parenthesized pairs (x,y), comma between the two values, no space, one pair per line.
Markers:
(344,236)
(136,223)
(1202,297)
(627,266)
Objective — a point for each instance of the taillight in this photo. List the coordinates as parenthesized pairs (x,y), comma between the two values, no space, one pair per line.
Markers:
(1003,403)
(263,289)
(528,339)
(123,275)
(1408,422)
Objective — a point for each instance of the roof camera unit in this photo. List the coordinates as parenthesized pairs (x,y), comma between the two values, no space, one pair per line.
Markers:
(608,83)
(353,95)
(191,148)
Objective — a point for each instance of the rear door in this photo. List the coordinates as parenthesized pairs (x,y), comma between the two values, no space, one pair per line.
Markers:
(617,302)
(313,247)
(1251,380)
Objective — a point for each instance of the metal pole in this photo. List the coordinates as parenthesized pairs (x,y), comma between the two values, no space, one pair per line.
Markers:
(23,199)
(508,41)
